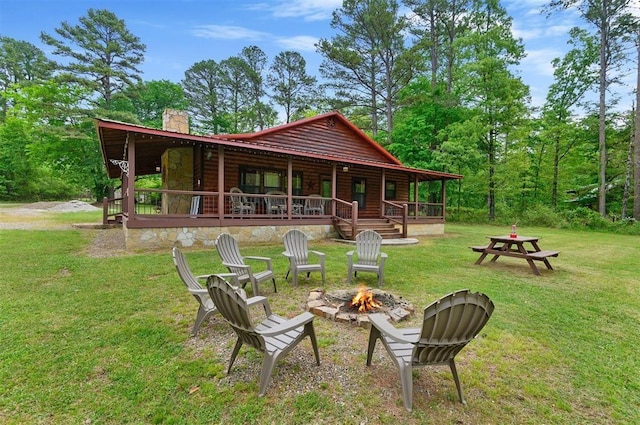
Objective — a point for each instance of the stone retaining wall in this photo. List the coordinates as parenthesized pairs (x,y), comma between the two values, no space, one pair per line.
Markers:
(166,238)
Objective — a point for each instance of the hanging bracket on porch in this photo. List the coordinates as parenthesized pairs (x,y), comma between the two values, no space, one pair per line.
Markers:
(124,165)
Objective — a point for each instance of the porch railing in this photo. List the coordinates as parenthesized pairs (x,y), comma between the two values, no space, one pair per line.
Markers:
(168,204)
(396,213)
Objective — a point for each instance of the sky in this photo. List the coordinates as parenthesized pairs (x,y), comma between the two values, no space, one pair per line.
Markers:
(180,33)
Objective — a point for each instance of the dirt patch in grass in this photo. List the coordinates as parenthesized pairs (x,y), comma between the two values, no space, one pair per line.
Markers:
(37,216)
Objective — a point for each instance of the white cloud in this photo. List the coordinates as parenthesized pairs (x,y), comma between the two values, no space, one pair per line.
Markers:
(538,62)
(308,10)
(228,32)
(299,42)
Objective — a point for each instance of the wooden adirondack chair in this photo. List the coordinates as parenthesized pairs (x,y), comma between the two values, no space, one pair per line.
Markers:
(229,252)
(199,292)
(297,251)
(368,256)
(274,336)
(449,324)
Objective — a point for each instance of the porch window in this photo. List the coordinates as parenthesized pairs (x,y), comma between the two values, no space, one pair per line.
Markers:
(272,180)
(358,190)
(250,179)
(296,187)
(390,190)
(260,180)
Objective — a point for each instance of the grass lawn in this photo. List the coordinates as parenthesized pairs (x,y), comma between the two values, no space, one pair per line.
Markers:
(86,340)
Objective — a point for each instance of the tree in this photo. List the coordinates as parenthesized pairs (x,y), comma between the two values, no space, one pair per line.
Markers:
(368,63)
(486,86)
(258,114)
(439,24)
(292,87)
(20,63)
(206,96)
(103,55)
(148,101)
(574,74)
(614,24)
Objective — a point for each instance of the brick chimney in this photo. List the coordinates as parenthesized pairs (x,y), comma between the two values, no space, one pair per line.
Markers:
(175,120)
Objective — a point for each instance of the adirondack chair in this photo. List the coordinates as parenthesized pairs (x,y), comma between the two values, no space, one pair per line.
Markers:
(199,292)
(239,203)
(274,336)
(297,251)
(229,252)
(368,257)
(314,205)
(448,325)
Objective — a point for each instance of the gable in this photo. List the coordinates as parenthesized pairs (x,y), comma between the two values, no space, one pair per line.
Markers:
(328,134)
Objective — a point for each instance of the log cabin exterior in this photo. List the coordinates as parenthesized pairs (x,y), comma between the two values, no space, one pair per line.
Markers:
(329,162)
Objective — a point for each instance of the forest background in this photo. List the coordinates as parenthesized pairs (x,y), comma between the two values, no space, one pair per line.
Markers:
(435,86)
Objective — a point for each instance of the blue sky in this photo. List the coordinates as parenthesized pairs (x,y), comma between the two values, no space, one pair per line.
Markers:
(179,33)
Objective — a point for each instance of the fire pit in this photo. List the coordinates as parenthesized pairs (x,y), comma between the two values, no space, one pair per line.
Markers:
(354,305)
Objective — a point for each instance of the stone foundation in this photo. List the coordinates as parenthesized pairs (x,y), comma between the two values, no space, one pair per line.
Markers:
(167,238)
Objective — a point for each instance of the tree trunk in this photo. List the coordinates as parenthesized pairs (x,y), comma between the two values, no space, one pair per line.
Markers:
(628,170)
(602,141)
(636,149)
(492,175)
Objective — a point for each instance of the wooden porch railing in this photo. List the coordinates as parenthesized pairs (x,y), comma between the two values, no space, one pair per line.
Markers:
(172,204)
(346,212)
(396,213)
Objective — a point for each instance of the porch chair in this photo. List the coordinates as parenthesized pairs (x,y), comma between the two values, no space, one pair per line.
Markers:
(229,252)
(448,325)
(275,205)
(195,205)
(239,203)
(314,205)
(368,256)
(297,251)
(199,292)
(275,336)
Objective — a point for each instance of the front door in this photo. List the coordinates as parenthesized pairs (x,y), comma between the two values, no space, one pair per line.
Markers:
(359,191)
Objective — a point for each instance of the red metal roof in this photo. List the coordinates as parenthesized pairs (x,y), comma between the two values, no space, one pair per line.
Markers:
(326,137)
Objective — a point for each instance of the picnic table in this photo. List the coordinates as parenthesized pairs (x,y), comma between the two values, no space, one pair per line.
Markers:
(515,247)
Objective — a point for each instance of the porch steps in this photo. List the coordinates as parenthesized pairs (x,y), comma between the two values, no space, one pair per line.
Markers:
(386,229)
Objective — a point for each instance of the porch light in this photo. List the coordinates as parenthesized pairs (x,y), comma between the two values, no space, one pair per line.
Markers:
(208,154)
(345,168)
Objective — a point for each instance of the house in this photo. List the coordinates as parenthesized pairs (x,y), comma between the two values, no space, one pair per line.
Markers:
(321,174)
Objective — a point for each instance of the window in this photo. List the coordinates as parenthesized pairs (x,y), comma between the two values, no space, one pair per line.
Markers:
(389,190)
(296,187)
(250,180)
(272,180)
(358,190)
(260,180)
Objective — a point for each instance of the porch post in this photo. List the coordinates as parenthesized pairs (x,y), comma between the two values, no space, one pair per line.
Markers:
(334,190)
(354,219)
(382,192)
(289,186)
(220,181)
(415,196)
(131,178)
(443,196)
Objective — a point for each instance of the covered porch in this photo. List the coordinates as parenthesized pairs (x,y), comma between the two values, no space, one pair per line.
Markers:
(226,182)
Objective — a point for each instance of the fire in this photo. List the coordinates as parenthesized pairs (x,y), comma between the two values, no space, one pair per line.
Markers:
(364,300)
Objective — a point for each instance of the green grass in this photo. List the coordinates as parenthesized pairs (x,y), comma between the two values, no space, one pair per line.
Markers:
(105,340)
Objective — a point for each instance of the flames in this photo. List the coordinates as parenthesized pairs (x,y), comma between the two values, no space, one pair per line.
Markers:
(364,300)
